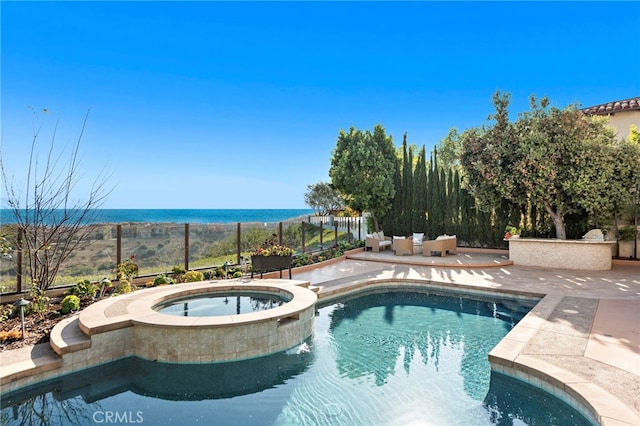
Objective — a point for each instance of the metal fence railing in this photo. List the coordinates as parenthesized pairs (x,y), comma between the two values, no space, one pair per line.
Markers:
(159,247)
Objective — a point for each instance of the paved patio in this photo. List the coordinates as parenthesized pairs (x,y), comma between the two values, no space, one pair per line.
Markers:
(585,333)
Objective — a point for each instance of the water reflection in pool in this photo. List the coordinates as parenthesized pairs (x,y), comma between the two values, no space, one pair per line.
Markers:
(215,304)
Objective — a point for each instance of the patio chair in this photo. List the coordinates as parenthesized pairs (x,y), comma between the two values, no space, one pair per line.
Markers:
(443,244)
(377,241)
(402,245)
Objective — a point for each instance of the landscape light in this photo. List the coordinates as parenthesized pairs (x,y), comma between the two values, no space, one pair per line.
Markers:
(22,303)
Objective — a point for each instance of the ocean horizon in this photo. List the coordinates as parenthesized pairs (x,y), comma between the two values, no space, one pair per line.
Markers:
(183,215)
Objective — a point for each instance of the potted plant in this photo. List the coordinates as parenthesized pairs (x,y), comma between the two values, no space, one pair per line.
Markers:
(271,255)
(511,232)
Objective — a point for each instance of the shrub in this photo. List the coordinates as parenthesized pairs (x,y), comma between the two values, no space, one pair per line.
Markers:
(163,279)
(220,272)
(70,303)
(127,269)
(124,286)
(39,302)
(84,290)
(178,273)
(193,276)
(627,233)
(345,246)
(6,312)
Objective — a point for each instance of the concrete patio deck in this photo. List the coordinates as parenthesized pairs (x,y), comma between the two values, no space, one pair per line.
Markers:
(584,334)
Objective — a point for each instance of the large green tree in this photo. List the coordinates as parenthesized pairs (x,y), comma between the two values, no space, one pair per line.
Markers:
(363,166)
(323,198)
(556,158)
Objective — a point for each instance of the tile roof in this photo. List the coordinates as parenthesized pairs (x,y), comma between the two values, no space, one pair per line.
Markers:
(613,107)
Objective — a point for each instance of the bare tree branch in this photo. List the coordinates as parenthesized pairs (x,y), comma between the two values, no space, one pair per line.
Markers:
(53,223)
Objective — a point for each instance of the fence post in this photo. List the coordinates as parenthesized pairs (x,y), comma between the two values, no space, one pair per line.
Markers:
(360,228)
(118,244)
(349,230)
(238,242)
(321,232)
(335,233)
(186,246)
(19,260)
(280,232)
(304,247)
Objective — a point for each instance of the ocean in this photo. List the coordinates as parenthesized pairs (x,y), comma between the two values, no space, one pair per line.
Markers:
(185,215)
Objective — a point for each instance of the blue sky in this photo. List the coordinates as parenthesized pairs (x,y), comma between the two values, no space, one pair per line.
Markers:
(238,105)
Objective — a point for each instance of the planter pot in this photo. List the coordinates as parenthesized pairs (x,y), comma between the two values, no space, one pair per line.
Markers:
(270,263)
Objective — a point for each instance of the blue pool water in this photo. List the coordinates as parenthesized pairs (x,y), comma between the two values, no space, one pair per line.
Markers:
(381,359)
(230,303)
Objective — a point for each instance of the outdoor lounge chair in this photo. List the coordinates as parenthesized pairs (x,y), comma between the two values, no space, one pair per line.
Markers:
(402,245)
(443,244)
(377,241)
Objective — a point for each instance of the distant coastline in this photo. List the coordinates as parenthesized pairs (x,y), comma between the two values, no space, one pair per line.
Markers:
(184,215)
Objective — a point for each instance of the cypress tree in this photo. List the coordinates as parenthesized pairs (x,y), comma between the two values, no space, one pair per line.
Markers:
(407,192)
(393,218)
(450,203)
(442,202)
(468,217)
(431,199)
(420,193)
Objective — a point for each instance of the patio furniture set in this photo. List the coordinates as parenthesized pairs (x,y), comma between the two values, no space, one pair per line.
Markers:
(411,245)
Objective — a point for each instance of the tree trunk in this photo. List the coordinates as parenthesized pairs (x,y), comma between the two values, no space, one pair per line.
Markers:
(376,224)
(556,217)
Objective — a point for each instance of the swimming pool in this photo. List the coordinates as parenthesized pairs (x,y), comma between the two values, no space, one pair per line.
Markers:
(384,358)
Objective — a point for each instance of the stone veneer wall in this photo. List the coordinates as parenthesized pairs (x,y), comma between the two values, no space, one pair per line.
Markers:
(232,342)
(563,254)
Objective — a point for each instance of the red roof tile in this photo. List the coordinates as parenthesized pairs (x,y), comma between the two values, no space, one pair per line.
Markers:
(612,107)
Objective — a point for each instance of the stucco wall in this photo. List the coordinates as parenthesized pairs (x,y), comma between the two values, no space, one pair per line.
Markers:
(622,120)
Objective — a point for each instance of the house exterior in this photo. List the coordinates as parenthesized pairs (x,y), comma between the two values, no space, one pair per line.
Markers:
(622,114)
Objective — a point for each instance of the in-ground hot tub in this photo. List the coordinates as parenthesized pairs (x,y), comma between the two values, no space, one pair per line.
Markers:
(222,303)
(158,336)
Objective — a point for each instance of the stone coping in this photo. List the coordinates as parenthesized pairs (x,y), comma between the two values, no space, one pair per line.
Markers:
(27,363)
(368,284)
(509,357)
(556,241)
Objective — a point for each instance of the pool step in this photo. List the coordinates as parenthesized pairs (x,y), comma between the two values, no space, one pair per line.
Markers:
(67,337)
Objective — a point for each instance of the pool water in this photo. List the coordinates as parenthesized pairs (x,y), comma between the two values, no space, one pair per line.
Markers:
(215,304)
(382,359)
